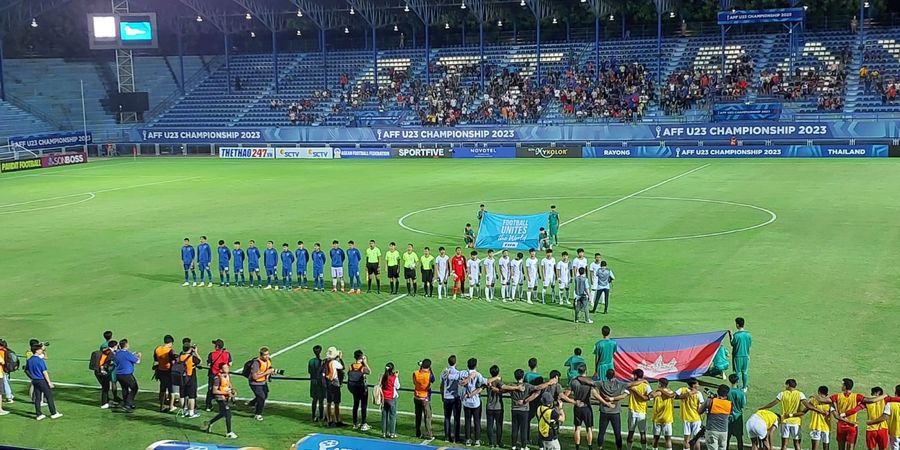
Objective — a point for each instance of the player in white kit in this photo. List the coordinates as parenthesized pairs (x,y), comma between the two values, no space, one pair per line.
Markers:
(473,266)
(548,274)
(577,263)
(442,264)
(594,282)
(562,276)
(503,262)
(489,275)
(531,270)
(515,276)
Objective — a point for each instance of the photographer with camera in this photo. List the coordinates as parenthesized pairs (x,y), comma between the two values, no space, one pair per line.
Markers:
(163,355)
(216,359)
(356,384)
(718,410)
(224,393)
(260,371)
(184,375)
(4,373)
(333,374)
(103,371)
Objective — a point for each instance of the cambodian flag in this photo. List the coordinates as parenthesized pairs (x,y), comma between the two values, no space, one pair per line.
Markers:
(673,357)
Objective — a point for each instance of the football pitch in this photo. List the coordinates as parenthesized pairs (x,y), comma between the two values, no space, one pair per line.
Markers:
(805,250)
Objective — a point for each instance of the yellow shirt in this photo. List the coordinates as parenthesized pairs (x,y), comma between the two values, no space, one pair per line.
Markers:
(893,421)
(636,405)
(768,417)
(392,257)
(690,406)
(790,404)
(874,411)
(410,259)
(818,422)
(663,410)
(372,255)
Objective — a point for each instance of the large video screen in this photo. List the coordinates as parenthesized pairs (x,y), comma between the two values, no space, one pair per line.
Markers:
(122,31)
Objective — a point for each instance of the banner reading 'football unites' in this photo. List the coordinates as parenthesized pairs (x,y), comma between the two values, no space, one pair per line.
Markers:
(506,232)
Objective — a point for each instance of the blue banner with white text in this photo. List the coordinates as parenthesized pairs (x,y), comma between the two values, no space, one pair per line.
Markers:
(484,152)
(780,15)
(763,151)
(334,442)
(51,140)
(362,153)
(742,111)
(507,232)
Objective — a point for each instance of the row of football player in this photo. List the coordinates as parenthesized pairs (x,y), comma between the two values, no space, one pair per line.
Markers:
(440,268)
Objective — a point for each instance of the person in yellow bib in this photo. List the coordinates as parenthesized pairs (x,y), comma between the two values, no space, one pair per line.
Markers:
(790,400)
(663,413)
(890,417)
(820,422)
(392,262)
(690,398)
(638,396)
(760,427)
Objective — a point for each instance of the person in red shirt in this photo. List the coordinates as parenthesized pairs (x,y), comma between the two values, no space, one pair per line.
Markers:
(846,404)
(215,360)
(458,264)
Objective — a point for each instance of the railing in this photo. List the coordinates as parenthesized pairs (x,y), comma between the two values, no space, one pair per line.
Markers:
(211,66)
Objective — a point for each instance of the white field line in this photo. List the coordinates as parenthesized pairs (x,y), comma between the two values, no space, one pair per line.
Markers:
(330,329)
(615,202)
(371,410)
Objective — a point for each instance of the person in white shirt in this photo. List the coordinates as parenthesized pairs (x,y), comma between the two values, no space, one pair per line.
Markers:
(577,263)
(503,262)
(473,265)
(489,275)
(548,272)
(531,269)
(515,276)
(562,276)
(442,264)
(592,273)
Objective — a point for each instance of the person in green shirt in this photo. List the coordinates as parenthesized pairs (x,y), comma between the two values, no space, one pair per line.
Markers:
(392,261)
(553,224)
(469,236)
(373,262)
(736,419)
(740,351)
(532,373)
(603,353)
(572,364)
(427,261)
(410,263)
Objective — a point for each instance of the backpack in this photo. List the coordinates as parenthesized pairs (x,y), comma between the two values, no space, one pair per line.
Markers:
(179,367)
(11,361)
(247,370)
(545,421)
(94,364)
(356,377)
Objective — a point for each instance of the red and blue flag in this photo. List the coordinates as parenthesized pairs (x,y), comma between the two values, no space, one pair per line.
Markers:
(673,357)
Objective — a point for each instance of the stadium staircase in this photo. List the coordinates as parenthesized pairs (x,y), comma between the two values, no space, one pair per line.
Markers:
(15,121)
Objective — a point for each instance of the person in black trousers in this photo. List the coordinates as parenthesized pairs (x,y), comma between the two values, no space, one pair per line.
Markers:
(36,368)
(259,381)
(224,392)
(356,384)
(102,372)
(125,362)
(452,402)
(214,361)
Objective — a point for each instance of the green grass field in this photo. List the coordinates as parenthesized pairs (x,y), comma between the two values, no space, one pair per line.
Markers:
(96,247)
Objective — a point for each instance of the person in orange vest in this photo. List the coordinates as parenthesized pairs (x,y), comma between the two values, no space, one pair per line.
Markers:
(422,380)
(224,393)
(260,372)
(163,356)
(103,374)
(718,410)
(184,369)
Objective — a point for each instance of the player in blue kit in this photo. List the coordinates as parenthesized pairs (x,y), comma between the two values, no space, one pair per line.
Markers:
(287,263)
(204,259)
(224,259)
(253,263)
(237,260)
(302,255)
(187,259)
(353,259)
(318,261)
(270,258)
(337,265)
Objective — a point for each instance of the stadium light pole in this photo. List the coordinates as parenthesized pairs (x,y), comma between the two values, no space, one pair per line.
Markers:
(428,14)
(600,9)
(483,13)
(375,17)
(219,19)
(662,6)
(270,19)
(541,10)
(324,19)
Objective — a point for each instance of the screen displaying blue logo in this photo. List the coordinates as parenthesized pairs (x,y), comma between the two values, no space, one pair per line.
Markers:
(136,31)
